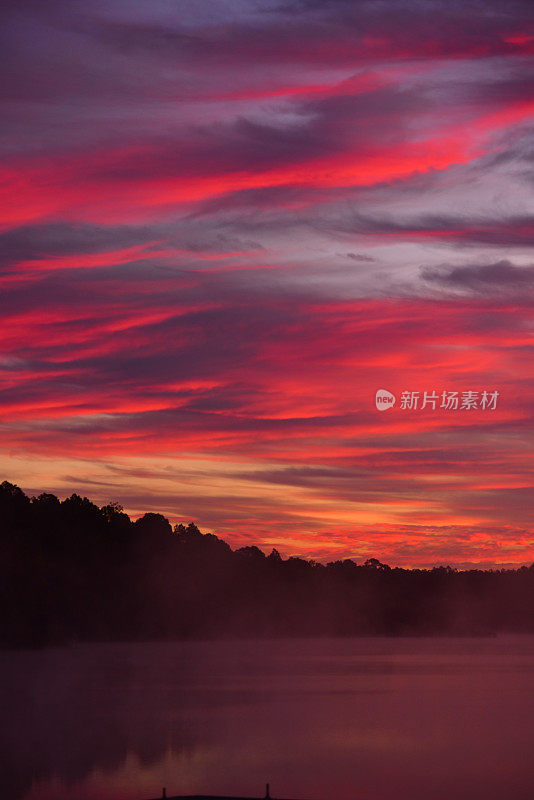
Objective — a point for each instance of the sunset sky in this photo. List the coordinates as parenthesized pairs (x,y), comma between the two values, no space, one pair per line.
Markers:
(228,223)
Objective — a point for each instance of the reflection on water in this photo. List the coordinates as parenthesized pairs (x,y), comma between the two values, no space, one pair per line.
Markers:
(327,719)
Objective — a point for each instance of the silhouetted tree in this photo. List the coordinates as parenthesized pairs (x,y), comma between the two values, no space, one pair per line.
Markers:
(73,571)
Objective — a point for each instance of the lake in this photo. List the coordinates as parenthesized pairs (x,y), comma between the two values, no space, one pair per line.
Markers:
(325,719)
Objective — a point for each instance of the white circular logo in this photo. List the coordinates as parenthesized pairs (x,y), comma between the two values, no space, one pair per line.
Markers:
(384,400)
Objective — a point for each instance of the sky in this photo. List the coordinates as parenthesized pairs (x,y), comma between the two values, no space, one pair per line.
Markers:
(227,224)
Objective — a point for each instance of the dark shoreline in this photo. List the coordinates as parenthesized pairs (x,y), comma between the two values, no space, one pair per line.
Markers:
(73,572)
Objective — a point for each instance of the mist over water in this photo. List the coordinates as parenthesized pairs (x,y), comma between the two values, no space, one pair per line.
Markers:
(328,719)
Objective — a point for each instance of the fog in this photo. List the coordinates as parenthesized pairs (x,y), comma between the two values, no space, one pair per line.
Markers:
(329,719)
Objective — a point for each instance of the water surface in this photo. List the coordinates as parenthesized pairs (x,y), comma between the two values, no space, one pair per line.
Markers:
(330,719)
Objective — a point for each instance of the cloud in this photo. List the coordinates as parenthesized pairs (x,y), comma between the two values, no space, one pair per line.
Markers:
(211,251)
(500,278)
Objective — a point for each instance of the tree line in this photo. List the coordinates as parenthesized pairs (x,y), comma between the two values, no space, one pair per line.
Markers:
(72,571)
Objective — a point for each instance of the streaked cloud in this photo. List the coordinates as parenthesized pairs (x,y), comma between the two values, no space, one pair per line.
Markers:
(224,229)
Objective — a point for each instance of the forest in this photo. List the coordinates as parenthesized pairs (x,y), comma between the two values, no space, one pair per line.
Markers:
(72,572)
